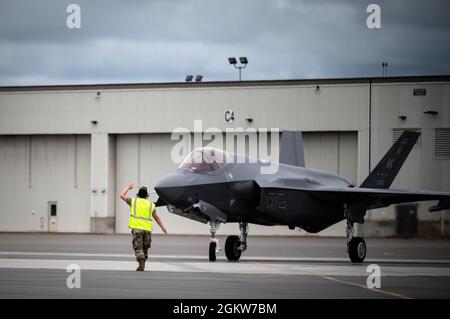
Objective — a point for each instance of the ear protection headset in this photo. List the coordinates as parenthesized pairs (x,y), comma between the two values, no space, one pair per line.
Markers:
(142,193)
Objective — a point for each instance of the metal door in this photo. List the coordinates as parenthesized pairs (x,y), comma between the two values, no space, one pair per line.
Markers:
(407,220)
(52,217)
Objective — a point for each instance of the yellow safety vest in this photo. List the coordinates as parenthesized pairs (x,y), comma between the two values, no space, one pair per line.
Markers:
(141,215)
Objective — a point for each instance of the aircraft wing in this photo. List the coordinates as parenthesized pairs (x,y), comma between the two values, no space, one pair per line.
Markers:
(370,198)
(376,198)
(374,192)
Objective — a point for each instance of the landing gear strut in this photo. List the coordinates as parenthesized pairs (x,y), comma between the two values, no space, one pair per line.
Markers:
(234,245)
(356,246)
(214,247)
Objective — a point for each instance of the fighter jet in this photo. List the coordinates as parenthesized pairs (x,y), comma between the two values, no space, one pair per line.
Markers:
(215,187)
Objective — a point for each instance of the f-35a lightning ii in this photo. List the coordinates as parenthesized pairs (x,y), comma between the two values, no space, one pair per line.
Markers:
(213,186)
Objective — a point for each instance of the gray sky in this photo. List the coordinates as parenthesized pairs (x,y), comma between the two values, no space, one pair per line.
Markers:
(163,41)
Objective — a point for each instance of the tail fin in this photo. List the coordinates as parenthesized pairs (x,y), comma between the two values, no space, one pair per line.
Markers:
(291,149)
(387,169)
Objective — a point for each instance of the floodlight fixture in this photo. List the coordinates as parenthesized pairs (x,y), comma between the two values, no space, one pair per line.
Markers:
(243,63)
(232,60)
(243,60)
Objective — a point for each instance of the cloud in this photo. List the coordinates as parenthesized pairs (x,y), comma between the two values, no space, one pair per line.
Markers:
(159,41)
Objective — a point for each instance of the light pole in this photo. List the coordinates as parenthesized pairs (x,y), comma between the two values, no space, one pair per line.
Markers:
(243,64)
(384,65)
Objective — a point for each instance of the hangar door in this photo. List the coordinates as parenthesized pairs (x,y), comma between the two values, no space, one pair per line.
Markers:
(142,159)
(336,152)
(44,184)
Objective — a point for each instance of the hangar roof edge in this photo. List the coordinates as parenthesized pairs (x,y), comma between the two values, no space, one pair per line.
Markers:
(156,85)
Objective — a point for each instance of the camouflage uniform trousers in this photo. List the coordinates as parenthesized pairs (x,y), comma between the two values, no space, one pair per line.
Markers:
(142,241)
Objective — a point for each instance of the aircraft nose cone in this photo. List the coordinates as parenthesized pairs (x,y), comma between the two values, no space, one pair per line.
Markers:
(171,188)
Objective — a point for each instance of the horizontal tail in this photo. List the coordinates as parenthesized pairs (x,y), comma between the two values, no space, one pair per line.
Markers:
(387,169)
(443,204)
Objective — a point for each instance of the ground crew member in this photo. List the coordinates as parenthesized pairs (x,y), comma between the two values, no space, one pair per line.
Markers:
(142,212)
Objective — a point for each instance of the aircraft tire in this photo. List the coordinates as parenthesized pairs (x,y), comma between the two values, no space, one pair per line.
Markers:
(357,249)
(212,251)
(232,248)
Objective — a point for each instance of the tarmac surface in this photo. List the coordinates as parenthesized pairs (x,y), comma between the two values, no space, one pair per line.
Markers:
(35,266)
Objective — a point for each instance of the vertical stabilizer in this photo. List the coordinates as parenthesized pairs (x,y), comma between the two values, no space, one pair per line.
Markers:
(387,169)
(291,149)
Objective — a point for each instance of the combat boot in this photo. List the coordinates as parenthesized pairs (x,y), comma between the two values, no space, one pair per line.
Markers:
(141,265)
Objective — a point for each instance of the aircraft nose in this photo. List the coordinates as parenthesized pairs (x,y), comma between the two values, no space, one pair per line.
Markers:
(171,187)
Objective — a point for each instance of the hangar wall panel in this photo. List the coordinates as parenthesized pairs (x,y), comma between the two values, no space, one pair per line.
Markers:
(335,107)
(422,170)
(36,170)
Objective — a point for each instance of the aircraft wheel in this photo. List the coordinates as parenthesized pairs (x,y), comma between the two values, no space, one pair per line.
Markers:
(212,251)
(357,249)
(232,250)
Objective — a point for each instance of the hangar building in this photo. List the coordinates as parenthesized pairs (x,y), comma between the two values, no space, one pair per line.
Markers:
(67,151)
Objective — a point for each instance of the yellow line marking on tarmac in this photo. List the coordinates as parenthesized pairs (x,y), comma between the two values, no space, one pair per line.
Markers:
(382,291)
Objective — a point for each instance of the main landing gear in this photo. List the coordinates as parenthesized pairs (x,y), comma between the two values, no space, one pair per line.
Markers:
(234,245)
(356,246)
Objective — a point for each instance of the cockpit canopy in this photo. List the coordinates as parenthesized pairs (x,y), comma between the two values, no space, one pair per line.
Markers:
(204,159)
